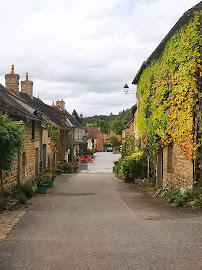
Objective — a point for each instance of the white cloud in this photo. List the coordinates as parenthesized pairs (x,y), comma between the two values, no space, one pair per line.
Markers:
(84,51)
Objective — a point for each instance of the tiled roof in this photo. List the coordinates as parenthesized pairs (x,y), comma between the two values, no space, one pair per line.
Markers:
(14,107)
(73,121)
(92,132)
(52,113)
(128,123)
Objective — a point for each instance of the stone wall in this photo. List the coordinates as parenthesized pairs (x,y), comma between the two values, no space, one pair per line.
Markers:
(130,129)
(177,169)
(28,158)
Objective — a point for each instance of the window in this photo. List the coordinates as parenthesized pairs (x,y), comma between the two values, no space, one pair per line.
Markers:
(169,158)
(33,129)
(23,164)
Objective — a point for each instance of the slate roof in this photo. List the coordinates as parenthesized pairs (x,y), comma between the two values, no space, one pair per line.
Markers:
(157,52)
(14,107)
(73,121)
(92,132)
(128,123)
(52,113)
(133,109)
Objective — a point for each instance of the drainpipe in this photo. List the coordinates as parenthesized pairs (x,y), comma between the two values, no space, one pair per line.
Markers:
(19,165)
(41,148)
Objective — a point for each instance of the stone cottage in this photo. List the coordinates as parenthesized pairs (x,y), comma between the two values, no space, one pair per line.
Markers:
(169,103)
(95,138)
(27,163)
(75,127)
(51,117)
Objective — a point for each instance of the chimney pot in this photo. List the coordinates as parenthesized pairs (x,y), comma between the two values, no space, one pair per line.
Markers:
(12,69)
(12,82)
(27,76)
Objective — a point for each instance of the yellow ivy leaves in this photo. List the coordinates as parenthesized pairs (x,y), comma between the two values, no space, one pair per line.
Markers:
(167,90)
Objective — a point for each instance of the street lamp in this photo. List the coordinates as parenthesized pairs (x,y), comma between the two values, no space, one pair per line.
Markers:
(126,89)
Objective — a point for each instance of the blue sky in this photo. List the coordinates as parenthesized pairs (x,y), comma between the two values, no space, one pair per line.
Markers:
(84,51)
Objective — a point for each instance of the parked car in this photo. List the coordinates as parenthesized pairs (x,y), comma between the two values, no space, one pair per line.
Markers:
(109,149)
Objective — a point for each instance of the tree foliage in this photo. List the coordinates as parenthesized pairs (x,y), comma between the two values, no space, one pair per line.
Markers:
(110,122)
(114,142)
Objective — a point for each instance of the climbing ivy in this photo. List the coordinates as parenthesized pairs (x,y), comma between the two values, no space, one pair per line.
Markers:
(54,135)
(168,90)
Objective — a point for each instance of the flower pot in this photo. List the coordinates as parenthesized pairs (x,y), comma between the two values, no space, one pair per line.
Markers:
(50,183)
(59,172)
(41,188)
(84,167)
(66,171)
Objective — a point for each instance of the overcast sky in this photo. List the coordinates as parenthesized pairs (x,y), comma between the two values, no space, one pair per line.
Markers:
(84,51)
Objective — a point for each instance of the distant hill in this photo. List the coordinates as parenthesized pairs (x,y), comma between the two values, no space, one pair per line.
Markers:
(109,122)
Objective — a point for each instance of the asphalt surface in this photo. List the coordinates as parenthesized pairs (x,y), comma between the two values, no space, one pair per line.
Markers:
(103,162)
(90,221)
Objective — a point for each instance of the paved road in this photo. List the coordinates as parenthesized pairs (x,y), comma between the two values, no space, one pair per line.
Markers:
(90,221)
(103,162)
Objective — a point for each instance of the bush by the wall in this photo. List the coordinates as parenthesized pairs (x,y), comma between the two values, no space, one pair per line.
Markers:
(190,197)
(134,166)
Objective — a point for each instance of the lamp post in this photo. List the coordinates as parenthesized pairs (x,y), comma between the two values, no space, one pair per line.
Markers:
(126,90)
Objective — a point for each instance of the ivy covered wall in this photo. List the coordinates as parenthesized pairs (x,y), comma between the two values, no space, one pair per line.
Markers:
(168,91)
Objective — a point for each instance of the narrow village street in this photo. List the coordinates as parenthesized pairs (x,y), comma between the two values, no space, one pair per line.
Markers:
(96,221)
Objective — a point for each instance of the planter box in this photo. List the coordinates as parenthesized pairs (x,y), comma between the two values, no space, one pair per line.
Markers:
(84,167)
(66,171)
(50,183)
(59,172)
(41,188)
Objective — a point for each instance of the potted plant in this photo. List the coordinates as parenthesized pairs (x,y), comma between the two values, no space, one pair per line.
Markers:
(44,180)
(66,167)
(58,168)
(49,178)
(42,184)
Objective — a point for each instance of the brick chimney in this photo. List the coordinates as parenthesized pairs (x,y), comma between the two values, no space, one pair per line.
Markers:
(60,104)
(12,82)
(27,86)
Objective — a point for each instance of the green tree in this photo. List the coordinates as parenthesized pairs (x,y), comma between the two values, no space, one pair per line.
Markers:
(11,141)
(116,125)
(114,141)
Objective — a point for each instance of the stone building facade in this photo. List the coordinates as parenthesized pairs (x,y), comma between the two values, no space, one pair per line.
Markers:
(26,164)
(173,168)
(162,101)
(95,138)
(112,134)
(33,156)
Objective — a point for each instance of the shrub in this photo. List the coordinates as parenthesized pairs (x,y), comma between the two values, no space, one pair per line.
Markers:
(189,197)
(27,190)
(134,166)
(180,199)
(117,166)
(17,194)
(66,165)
